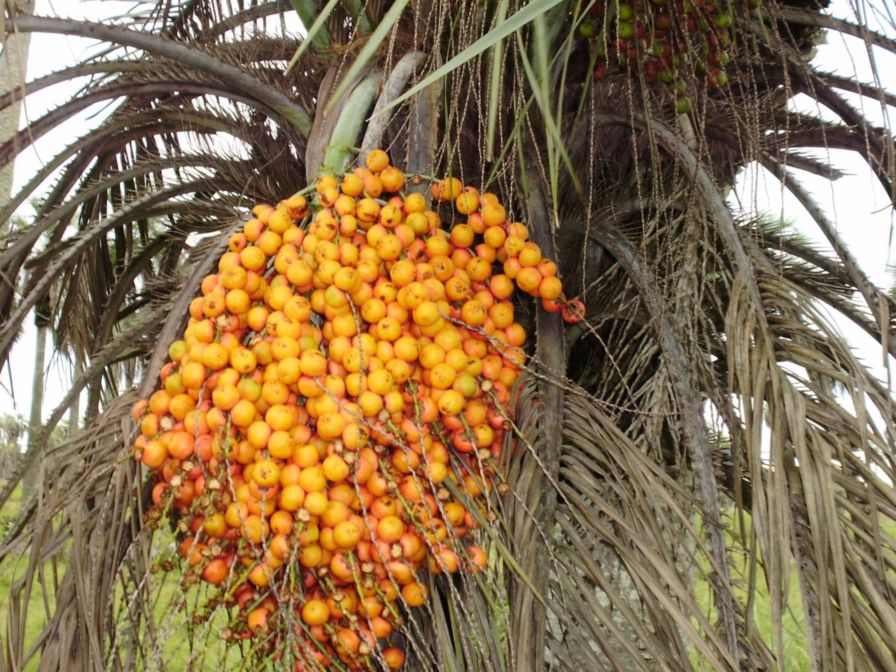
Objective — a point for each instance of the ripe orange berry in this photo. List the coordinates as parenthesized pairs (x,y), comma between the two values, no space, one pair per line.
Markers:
(394,658)
(451,402)
(547,267)
(467,201)
(448,189)
(391,216)
(352,185)
(367,211)
(315,612)
(478,269)
(312,556)
(335,468)
(494,237)
(261,575)
(237,301)
(388,329)
(280,219)
(441,376)
(512,267)
(280,444)
(550,288)
(373,186)
(462,235)
(388,247)
(252,229)
(313,363)
(312,480)
(406,349)
(214,356)
(376,160)
(530,254)
(237,242)
(519,230)
(215,572)
(513,246)
(501,314)
(528,279)
(233,277)
(370,403)
(253,258)
(390,528)
(473,313)
(431,355)
(380,381)
(402,273)
(414,594)
(347,534)
(426,314)
(296,205)
(266,473)
(257,619)
(414,202)
(392,178)
(515,334)
(493,214)
(154,454)
(291,498)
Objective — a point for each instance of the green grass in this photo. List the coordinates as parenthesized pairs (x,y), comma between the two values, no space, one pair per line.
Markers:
(794,642)
(180,643)
(172,622)
(36,610)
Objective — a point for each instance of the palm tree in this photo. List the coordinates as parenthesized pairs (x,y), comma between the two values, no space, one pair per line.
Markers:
(705,436)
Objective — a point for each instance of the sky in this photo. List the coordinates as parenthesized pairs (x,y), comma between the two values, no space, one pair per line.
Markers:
(856,202)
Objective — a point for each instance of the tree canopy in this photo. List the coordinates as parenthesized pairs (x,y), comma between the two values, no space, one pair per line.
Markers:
(705,428)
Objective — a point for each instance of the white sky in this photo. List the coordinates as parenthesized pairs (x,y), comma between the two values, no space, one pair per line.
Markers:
(856,202)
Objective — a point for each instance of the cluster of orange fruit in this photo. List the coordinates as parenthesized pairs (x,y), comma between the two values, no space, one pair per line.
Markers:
(327,427)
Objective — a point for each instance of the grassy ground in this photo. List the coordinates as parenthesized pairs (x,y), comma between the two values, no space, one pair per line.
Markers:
(36,609)
(178,641)
(794,642)
(181,645)
(793,635)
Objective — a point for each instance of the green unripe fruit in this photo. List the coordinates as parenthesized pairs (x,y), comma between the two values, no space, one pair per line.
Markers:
(626,30)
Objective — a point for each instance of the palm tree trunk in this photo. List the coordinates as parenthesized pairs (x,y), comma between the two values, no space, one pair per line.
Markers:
(74,413)
(13,66)
(35,438)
